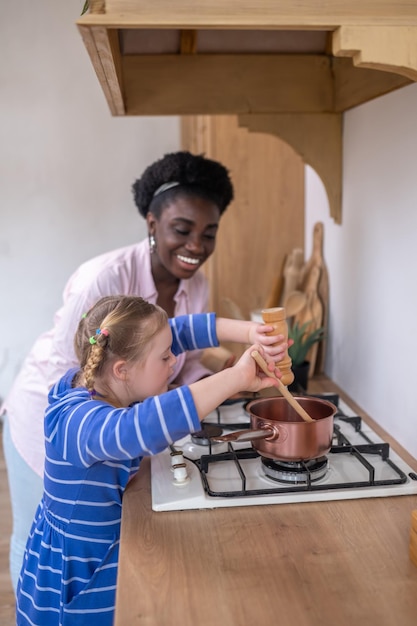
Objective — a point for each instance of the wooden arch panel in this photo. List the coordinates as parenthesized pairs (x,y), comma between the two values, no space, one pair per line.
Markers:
(317,138)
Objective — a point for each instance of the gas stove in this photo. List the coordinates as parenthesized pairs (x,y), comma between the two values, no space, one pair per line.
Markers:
(196,473)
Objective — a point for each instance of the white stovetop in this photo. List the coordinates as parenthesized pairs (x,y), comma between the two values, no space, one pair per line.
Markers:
(167,495)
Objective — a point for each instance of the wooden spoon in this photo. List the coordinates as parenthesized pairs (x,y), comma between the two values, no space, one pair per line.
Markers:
(287,395)
(295,302)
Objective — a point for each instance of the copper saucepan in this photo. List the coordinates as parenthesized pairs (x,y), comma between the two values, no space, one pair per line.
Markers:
(278,432)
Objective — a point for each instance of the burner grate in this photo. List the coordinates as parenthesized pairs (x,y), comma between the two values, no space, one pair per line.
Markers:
(229,424)
(373,465)
(360,465)
(381,450)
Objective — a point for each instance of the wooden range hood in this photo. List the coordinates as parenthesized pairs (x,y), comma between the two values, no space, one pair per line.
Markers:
(283,67)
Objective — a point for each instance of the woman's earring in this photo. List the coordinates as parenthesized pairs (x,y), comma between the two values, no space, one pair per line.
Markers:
(152,244)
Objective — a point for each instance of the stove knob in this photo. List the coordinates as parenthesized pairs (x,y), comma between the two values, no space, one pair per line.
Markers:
(180,474)
(177,458)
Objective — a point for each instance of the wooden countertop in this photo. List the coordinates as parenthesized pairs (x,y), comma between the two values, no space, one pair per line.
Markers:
(310,564)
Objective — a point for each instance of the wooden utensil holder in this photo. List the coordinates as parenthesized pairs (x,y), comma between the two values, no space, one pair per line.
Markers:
(277,318)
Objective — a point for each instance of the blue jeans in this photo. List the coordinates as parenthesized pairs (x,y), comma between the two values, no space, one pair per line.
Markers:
(26,489)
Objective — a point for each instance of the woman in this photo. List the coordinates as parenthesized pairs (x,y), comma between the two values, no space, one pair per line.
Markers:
(182,197)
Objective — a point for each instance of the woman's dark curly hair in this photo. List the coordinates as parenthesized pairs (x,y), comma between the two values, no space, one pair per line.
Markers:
(195,175)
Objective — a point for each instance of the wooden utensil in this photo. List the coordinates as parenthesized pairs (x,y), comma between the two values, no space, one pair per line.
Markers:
(317,258)
(287,395)
(294,303)
(233,309)
(312,313)
(293,272)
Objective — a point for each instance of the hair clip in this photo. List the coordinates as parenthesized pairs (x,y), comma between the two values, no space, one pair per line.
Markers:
(83,316)
(104,332)
(92,340)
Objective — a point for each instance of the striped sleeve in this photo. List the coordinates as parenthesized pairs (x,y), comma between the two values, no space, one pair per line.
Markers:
(94,431)
(193,332)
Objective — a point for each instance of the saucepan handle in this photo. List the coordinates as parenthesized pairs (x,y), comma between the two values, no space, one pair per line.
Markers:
(246,435)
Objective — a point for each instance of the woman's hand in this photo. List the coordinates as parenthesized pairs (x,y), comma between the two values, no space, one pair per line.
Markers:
(274,346)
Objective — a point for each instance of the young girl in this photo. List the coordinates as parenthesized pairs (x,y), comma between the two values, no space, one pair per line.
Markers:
(101,420)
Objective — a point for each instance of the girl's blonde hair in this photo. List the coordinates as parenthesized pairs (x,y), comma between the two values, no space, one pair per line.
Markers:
(116,327)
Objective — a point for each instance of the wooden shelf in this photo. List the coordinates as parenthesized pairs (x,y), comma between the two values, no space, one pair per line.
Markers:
(303,64)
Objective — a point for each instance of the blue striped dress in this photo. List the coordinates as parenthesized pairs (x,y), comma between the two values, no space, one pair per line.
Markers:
(69,571)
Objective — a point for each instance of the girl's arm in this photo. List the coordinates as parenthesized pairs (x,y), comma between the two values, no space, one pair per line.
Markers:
(190,332)
(210,392)
(242,331)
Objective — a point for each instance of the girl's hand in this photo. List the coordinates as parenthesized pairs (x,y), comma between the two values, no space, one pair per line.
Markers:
(252,377)
(258,334)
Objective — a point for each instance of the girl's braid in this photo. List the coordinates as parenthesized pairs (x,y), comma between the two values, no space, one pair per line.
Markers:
(95,358)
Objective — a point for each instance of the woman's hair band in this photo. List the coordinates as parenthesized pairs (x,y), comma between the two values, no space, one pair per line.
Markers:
(165,187)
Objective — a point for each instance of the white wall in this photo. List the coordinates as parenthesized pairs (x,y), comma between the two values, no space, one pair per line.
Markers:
(372,260)
(66,168)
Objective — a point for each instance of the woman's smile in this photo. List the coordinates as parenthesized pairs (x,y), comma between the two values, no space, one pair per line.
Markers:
(189,260)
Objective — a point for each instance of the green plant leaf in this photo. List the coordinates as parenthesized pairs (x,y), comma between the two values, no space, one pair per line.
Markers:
(302,341)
